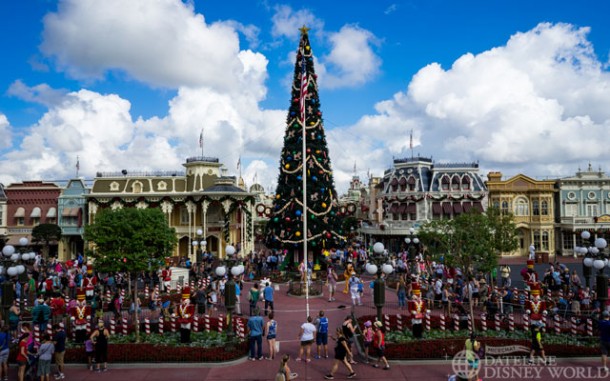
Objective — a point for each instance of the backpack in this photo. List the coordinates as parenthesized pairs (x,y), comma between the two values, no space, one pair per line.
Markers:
(323,327)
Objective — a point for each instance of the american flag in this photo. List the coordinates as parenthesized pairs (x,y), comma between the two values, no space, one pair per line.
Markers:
(77,163)
(201,139)
(303,87)
(411,140)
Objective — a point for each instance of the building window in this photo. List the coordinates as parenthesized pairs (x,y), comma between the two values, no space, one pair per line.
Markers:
(537,239)
(535,208)
(592,210)
(184,216)
(571,195)
(445,183)
(571,210)
(114,186)
(496,204)
(568,240)
(455,183)
(521,208)
(466,183)
(136,187)
(505,207)
(35,221)
(162,186)
(411,184)
(544,208)
(591,195)
(545,241)
(20,221)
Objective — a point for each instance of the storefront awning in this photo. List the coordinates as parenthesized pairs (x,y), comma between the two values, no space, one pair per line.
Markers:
(457,208)
(402,208)
(52,213)
(467,206)
(35,213)
(447,208)
(478,206)
(436,208)
(20,213)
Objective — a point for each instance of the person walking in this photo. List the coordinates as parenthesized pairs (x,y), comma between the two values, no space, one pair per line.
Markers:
(268,296)
(604,338)
(354,284)
(100,339)
(348,332)
(255,335)
(342,354)
(401,292)
(5,338)
(472,347)
(59,340)
(307,335)
(379,345)
(14,316)
(271,333)
(331,281)
(284,373)
(321,324)
(367,336)
(45,355)
(22,355)
(253,297)
(537,344)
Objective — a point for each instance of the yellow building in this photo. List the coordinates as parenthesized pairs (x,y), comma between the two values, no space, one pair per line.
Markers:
(201,203)
(532,204)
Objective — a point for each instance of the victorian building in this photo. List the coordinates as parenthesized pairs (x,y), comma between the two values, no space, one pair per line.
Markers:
(198,200)
(532,203)
(584,204)
(417,190)
(3,215)
(72,208)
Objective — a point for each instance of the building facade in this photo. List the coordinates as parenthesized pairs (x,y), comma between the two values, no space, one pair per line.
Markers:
(72,208)
(199,199)
(532,203)
(29,204)
(584,204)
(415,191)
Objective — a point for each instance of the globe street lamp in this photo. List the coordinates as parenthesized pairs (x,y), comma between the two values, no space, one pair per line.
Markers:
(598,260)
(236,269)
(412,247)
(199,245)
(11,266)
(378,266)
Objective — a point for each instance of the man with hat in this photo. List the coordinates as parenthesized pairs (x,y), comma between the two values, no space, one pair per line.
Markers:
(185,315)
(535,306)
(416,309)
(80,315)
(89,283)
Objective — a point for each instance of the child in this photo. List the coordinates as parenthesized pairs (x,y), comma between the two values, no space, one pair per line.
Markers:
(90,350)
(379,345)
(537,344)
(367,334)
(45,355)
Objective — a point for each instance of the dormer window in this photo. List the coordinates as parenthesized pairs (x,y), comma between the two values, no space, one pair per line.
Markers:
(411,184)
(455,183)
(465,183)
(445,183)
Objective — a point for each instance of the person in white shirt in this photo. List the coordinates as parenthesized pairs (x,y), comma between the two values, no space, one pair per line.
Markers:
(354,284)
(307,335)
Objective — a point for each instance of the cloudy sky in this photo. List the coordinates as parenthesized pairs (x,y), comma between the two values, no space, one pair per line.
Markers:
(519,86)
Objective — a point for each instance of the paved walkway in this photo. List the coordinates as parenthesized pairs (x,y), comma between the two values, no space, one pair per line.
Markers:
(290,314)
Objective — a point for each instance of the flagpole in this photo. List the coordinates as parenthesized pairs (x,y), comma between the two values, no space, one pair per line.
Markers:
(304,176)
(201,142)
(77,165)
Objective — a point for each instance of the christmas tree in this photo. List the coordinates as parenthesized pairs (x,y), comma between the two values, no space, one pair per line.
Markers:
(287,222)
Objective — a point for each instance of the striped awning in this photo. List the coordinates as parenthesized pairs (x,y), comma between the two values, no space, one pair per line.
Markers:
(20,212)
(457,208)
(447,208)
(35,213)
(467,206)
(52,213)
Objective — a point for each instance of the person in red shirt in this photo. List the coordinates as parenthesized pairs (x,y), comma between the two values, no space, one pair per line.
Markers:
(379,345)
(22,356)
(58,308)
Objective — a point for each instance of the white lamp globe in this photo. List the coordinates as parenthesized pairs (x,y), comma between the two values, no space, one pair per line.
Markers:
(204,242)
(598,264)
(8,250)
(411,230)
(15,257)
(594,250)
(416,240)
(199,232)
(194,243)
(585,234)
(588,262)
(378,247)
(241,269)
(606,261)
(601,243)
(230,250)
(407,240)
(583,250)
(1,269)
(20,269)
(371,269)
(23,241)
(235,270)
(11,271)
(221,270)
(387,269)
(25,256)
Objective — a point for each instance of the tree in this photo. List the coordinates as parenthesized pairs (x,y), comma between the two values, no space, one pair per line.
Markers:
(286,225)
(130,240)
(471,241)
(45,234)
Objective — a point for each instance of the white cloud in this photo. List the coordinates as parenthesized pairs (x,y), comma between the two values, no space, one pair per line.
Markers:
(535,105)
(41,93)
(5,132)
(162,43)
(286,22)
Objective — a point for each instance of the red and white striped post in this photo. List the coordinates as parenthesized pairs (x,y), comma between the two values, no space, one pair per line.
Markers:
(469,323)
(573,326)
(428,321)
(544,322)
(442,323)
(50,329)
(179,288)
(37,333)
(399,322)
(161,322)
(108,296)
(173,324)
(386,322)
(484,322)
(511,323)
(147,326)
(526,322)
(112,326)
(73,325)
(196,323)
(589,327)
(88,325)
(557,321)
(122,294)
(207,322)
(221,322)
(456,322)
(146,292)
(497,322)
(124,326)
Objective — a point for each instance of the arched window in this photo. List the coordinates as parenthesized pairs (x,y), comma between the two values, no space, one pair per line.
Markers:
(535,208)
(455,183)
(445,183)
(545,241)
(504,206)
(544,208)
(403,184)
(466,182)
(496,204)
(522,207)
(411,183)
(537,239)
(394,185)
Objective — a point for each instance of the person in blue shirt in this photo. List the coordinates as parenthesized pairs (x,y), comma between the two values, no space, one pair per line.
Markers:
(321,324)
(268,296)
(255,329)
(5,338)
(604,338)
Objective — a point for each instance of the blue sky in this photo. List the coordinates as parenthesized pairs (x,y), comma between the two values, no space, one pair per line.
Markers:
(520,86)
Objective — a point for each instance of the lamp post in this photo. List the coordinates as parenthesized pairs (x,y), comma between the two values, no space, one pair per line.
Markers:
(236,269)
(11,266)
(597,259)
(199,245)
(378,266)
(412,245)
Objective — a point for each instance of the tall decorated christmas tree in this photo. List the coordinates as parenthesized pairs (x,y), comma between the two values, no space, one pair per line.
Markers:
(289,221)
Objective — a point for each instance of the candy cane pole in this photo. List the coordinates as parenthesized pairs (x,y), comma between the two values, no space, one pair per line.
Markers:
(386,321)
(497,322)
(207,322)
(221,321)
(544,322)
(526,322)
(443,322)
(112,327)
(557,320)
(108,296)
(573,326)
(173,323)
(589,327)
(428,322)
(49,329)
(484,322)
(399,322)
(146,292)
(37,333)
(469,323)
(147,326)
(196,323)
(456,322)
(124,326)
(161,322)
(88,325)
(511,322)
